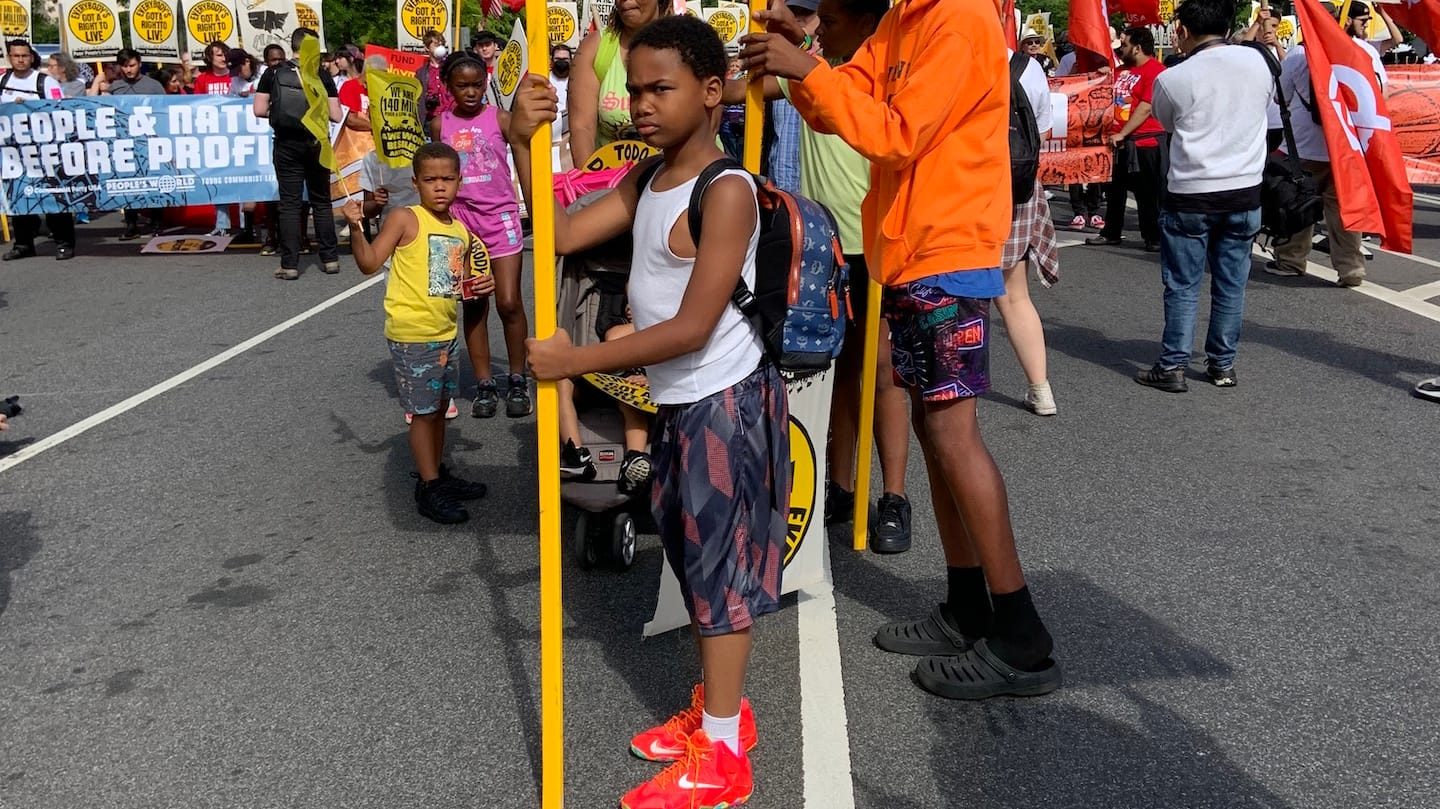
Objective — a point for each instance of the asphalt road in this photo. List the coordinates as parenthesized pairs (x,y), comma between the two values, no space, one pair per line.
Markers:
(223,598)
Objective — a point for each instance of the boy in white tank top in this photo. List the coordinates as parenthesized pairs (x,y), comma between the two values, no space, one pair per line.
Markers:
(720,443)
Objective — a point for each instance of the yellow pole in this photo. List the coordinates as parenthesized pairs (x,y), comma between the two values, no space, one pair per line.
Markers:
(865,437)
(455,41)
(754,101)
(1344,12)
(547,425)
(4,228)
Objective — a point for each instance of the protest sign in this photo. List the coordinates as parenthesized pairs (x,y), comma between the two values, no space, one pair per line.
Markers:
(209,21)
(731,21)
(154,30)
(187,243)
(90,29)
(414,17)
(15,19)
(267,22)
(396,115)
(511,65)
(110,152)
(1083,108)
(563,24)
(396,61)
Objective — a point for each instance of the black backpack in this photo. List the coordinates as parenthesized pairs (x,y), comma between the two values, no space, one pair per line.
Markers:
(1024,136)
(287,101)
(1289,201)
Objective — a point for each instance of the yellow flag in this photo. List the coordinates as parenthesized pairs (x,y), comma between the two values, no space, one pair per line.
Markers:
(396,101)
(317,115)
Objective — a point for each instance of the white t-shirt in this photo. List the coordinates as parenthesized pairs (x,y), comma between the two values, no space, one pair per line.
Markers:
(31,88)
(1374,60)
(375,175)
(562,89)
(1295,81)
(658,279)
(1037,92)
(1217,128)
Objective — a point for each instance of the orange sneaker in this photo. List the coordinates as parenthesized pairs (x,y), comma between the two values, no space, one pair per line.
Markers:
(708,776)
(665,743)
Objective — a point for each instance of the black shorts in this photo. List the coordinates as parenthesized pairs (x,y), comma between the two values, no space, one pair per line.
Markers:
(859,288)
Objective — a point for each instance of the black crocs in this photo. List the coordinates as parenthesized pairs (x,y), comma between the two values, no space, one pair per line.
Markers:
(978,674)
(931,635)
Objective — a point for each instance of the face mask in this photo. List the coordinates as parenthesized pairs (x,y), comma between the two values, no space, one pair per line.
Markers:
(561,67)
(440,52)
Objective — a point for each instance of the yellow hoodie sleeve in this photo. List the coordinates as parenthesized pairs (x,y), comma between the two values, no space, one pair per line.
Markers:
(851,100)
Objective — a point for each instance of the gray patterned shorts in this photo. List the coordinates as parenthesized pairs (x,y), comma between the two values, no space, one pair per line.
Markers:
(425,374)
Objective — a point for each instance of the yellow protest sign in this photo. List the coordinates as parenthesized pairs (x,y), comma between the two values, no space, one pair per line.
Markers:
(729,20)
(511,65)
(153,30)
(91,29)
(209,21)
(310,15)
(395,115)
(617,154)
(414,17)
(562,24)
(15,19)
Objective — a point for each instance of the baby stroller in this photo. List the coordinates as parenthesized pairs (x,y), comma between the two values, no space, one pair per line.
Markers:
(606,521)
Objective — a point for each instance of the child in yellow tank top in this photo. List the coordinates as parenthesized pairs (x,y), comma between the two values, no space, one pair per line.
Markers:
(430,267)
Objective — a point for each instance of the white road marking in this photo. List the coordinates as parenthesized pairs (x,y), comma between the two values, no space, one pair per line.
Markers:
(824,730)
(1433,200)
(52,441)
(1424,291)
(1399,299)
(1430,262)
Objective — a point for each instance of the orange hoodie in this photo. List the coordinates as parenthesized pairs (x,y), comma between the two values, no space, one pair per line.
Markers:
(926,100)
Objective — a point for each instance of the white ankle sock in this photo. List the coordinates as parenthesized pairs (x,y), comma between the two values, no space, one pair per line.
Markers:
(725,730)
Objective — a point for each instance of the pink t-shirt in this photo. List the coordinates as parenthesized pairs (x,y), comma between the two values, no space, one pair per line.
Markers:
(485,184)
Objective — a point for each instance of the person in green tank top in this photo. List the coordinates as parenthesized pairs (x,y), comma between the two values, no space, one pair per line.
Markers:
(599,103)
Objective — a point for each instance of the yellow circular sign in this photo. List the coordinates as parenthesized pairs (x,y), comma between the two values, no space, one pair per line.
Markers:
(725,24)
(419,16)
(90,22)
(14,19)
(306,17)
(1166,10)
(617,154)
(209,21)
(691,12)
(802,489)
(560,22)
(1285,30)
(509,68)
(153,21)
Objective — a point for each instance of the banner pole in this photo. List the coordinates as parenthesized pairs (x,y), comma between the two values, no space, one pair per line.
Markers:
(865,436)
(4,227)
(547,425)
(754,103)
(1344,12)
(455,40)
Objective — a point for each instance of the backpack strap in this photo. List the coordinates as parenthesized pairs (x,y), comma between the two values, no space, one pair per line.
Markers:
(647,169)
(742,297)
(1292,156)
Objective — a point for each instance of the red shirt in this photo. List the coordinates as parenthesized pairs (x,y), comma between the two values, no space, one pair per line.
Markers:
(353,96)
(1132,86)
(208,83)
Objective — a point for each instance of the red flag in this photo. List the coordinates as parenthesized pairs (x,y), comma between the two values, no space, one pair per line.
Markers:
(1090,34)
(1420,16)
(1007,16)
(1365,157)
(1140,12)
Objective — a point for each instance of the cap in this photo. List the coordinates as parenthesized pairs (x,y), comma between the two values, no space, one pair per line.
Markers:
(804,5)
(484,37)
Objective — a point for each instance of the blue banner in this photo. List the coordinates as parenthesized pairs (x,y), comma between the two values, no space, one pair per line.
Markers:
(111,152)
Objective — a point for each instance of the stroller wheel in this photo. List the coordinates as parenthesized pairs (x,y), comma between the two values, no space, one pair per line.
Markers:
(581,544)
(622,541)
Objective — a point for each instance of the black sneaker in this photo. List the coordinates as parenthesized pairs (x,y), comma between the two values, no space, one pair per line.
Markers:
(17,252)
(517,398)
(576,462)
(459,488)
(487,401)
(1170,380)
(1220,377)
(131,232)
(839,505)
(635,472)
(890,532)
(1429,389)
(434,503)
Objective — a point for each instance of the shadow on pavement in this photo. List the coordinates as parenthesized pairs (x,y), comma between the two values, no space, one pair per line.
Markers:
(19,542)
(1322,348)
(1123,357)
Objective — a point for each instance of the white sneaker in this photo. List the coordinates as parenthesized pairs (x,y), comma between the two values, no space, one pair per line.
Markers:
(452,411)
(1039,400)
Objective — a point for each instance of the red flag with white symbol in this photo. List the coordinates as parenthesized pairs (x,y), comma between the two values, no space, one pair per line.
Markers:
(1419,16)
(1365,157)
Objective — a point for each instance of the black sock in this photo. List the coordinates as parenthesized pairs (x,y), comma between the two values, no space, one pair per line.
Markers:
(1020,637)
(967,601)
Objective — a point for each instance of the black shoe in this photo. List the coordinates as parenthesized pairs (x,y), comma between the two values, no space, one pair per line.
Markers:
(1170,380)
(433,503)
(246,236)
(931,635)
(575,462)
(1220,377)
(839,505)
(1152,247)
(459,488)
(131,232)
(1102,240)
(487,401)
(890,532)
(18,252)
(517,398)
(635,473)
(64,252)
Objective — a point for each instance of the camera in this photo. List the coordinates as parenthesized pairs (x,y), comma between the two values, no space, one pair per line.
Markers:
(11,408)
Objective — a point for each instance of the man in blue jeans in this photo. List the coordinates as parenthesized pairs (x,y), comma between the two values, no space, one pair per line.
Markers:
(1213,105)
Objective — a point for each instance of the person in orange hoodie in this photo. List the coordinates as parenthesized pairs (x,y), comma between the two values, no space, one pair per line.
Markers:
(927,100)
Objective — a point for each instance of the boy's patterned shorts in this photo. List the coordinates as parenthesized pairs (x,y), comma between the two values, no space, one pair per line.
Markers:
(721,499)
(425,374)
(940,343)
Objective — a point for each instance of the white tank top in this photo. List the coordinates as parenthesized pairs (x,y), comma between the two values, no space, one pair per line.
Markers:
(658,279)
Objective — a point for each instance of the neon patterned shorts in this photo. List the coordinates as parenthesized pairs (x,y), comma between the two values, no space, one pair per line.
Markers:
(721,497)
(425,374)
(940,343)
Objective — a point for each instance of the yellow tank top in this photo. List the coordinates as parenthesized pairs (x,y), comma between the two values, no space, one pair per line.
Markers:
(424,281)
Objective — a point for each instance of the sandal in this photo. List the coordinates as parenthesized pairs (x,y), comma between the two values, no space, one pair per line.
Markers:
(979,674)
(931,635)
